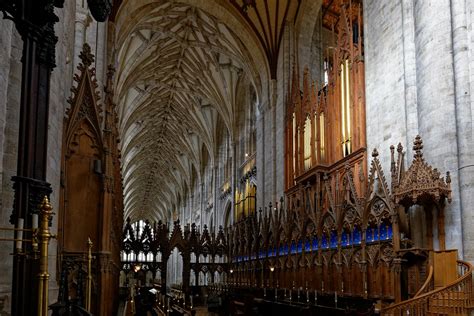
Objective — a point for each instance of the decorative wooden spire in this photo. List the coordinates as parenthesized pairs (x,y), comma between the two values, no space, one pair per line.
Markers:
(86,55)
(421,181)
(85,98)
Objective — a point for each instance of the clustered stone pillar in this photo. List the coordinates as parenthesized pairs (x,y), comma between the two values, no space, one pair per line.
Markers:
(435,76)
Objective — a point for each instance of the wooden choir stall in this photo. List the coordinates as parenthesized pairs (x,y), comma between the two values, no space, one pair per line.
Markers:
(343,240)
(91,203)
(347,243)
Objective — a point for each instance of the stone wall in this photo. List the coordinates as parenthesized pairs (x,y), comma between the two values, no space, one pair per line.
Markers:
(10,79)
(417,82)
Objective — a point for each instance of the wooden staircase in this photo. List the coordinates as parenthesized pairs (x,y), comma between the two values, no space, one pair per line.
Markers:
(445,299)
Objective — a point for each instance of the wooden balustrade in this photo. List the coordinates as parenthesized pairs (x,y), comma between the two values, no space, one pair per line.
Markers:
(428,285)
(454,299)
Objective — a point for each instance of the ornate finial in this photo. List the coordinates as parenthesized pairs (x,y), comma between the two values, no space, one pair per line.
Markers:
(86,56)
(110,70)
(392,159)
(418,146)
(375,153)
(89,242)
(110,75)
(399,148)
(45,205)
(347,166)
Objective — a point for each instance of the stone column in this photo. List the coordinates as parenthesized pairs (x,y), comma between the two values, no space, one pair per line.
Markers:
(463,114)
(436,102)
(202,206)
(215,192)
(234,177)
(409,67)
(83,20)
(273,100)
(260,158)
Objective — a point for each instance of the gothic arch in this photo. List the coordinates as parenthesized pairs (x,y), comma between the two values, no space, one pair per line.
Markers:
(83,153)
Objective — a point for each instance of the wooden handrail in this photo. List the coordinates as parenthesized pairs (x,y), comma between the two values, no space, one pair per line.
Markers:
(453,299)
(425,287)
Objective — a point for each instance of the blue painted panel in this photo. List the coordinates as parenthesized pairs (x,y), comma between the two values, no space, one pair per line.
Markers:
(383,232)
(315,244)
(307,246)
(389,232)
(293,248)
(368,233)
(324,242)
(344,240)
(357,236)
(333,239)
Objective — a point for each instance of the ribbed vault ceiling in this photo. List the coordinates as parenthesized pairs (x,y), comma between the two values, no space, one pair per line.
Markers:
(177,74)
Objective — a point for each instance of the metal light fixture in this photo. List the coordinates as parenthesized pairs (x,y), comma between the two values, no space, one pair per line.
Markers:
(137,268)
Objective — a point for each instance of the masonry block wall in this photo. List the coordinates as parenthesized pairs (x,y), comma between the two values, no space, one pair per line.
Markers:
(418,65)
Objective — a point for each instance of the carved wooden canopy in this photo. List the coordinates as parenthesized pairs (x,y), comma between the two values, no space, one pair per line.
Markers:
(421,182)
(84,103)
